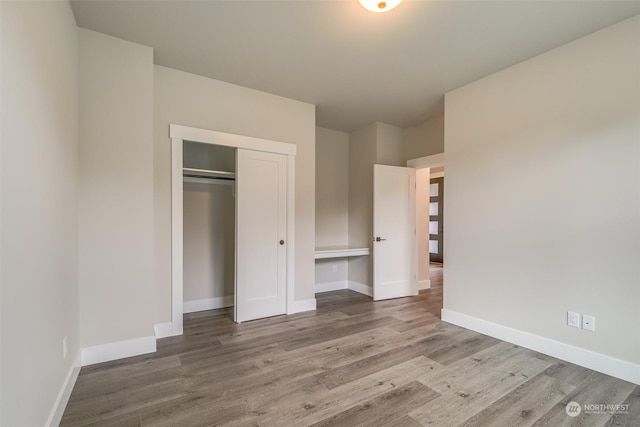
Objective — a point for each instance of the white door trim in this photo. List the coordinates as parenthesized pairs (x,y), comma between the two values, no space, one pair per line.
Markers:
(427,161)
(178,134)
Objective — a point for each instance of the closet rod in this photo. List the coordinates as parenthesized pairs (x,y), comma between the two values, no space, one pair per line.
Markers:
(206,173)
(208,180)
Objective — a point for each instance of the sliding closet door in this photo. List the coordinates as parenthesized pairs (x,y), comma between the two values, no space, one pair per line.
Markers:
(261,235)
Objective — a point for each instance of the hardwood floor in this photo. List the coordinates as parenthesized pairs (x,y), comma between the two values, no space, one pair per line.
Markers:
(351,363)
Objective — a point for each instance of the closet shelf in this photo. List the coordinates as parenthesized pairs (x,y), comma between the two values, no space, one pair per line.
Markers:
(206,173)
(340,252)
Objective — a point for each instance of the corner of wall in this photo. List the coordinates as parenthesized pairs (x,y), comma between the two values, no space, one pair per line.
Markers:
(65,392)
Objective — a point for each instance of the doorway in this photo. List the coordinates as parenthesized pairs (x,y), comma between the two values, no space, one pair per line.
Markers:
(208,226)
(427,168)
(436,215)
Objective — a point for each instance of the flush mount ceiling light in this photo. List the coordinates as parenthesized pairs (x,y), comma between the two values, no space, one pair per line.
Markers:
(379,5)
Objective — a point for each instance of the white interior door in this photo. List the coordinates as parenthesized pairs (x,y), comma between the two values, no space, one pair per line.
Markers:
(394,246)
(261,235)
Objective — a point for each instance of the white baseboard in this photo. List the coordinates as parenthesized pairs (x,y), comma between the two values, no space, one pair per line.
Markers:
(207,304)
(163,330)
(360,288)
(65,392)
(118,350)
(598,362)
(424,284)
(302,305)
(331,286)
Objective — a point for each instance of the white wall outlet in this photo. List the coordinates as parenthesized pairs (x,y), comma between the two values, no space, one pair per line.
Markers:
(334,268)
(573,319)
(64,348)
(589,323)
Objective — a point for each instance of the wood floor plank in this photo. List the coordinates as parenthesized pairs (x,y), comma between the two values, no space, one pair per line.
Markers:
(596,389)
(385,409)
(307,409)
(405,421)
(352,362)
(83,410)
(452,352)
(567,372)
(390,357)
(524,405)
(455,406)
(629,416)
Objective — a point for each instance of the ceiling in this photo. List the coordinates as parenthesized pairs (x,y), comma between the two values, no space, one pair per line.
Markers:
(356,66)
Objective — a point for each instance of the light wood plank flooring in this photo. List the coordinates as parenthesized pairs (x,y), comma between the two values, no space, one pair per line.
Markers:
(351,363)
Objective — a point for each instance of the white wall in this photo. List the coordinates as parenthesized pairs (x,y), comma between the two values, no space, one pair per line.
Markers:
(332,202)
(116,190)
(190,100)
(426,139)
(543,194)
(39,169)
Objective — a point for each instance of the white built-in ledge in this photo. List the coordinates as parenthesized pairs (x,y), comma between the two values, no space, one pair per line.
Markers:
(340,252)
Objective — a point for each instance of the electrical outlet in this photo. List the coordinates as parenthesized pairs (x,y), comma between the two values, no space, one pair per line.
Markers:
(334,268)
(64,348)
(589,323)
(573,319)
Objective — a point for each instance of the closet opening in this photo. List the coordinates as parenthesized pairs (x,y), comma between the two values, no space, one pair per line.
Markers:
(256,177)
(209,190)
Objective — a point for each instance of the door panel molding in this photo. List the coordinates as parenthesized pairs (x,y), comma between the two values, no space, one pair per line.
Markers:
(261,235)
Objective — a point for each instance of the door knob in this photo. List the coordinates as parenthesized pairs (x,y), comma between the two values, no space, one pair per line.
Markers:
(282,242)
(379,239)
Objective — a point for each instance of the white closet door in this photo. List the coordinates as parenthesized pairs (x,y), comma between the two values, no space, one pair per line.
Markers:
(261,235)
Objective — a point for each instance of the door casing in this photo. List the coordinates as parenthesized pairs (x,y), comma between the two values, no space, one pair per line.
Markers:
(178,134)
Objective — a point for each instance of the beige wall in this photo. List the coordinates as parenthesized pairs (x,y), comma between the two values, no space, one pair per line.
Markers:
(209,241)
(389,145)
(543,193)
(332,191)
(116,190)
(362,157)
(39,167)
(332,201)
(377,143)
(190,100)
(207,156)
(209,225)
(425,139)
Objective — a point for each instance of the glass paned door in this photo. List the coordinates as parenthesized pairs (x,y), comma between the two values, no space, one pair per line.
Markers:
(436,197)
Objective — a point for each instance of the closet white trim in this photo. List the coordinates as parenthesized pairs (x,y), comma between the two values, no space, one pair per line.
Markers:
(178,134)
(177,247)
(186,133)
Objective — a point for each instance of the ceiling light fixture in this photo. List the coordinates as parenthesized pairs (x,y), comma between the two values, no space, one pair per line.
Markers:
(379,5)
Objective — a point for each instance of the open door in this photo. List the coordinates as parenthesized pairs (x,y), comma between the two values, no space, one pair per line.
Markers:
(394,246)
(261,235)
